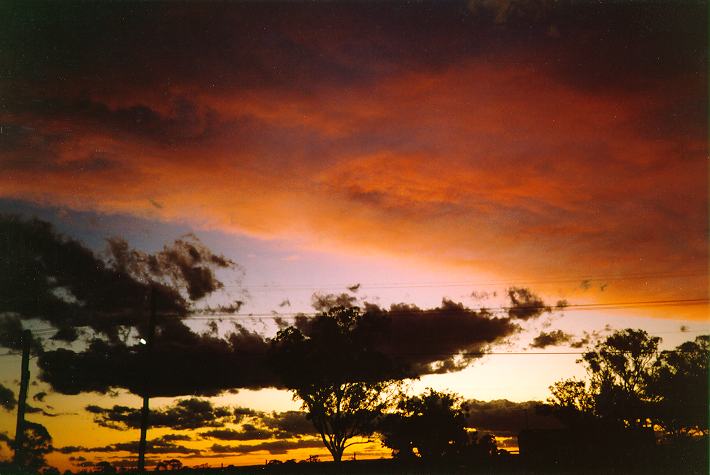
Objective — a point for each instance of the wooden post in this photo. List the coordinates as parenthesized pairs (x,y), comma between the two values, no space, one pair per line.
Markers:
(147,367)
(22,397)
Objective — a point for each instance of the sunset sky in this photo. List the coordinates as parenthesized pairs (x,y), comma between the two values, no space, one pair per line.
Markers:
(422,150)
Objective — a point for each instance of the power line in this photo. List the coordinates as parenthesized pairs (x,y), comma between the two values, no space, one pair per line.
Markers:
(46,331)
(415,284)
(589,306)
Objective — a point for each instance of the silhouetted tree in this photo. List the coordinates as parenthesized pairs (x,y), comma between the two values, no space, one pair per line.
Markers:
(679,388)
(433,425)
(631,384)
(620,369)
(36,443)
(571,401)
(333,369)
(171,464)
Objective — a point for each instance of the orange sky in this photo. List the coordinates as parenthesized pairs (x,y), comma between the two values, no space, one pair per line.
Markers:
(468,142)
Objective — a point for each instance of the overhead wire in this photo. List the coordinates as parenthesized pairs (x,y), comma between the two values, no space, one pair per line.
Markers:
(589,306)
(509,282)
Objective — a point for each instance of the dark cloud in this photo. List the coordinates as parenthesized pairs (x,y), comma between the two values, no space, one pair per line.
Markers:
(281,322)
(185,414)
(7,398)
(525,304)
(39,410)
(155,446)
(588,337)
(176,437)
(47,276)
(276,447)
(110,297)
(481,295)
(11,334)
(553,338)
(185,263)
(266,425)
(240,413)
(462,335)
(245,432)
(303,46)
(324,302)
(397,342)
(506,418)
(229,309)
(40,396)
(183,362)
(559,337)
(288,424)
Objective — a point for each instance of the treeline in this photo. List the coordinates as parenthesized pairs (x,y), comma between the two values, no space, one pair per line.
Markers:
(639,408)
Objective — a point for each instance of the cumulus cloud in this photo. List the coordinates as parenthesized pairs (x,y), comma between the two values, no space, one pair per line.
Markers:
(40,396)
(257,425)
(553,338)
(396,342)
(58,280)
(288,424)
(245,432)
(7,398)
(276,447)
(186,262)
(525,304)
(463,334)
(154,446)
(184,414)
(559,338)
(40,410)
(110,297)
(185,362)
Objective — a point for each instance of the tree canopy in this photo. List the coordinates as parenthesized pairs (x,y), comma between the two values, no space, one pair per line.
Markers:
(336,372)
(632,384)
(679,387)
(432,426)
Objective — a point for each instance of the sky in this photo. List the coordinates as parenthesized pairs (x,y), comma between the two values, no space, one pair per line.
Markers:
(425,151)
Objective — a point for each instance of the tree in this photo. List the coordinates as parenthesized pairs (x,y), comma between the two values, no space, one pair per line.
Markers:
(679,388)
(620,369)
(36,443)
(171,464)
(632,384)
(331,365)
(433,425)
(571,401)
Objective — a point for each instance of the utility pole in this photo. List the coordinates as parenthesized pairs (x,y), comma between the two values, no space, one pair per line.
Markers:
(147,366)
(22,397)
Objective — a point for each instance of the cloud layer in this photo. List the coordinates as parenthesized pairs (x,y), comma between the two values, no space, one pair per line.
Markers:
(564,140)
